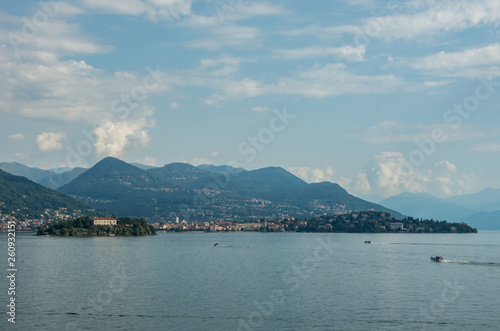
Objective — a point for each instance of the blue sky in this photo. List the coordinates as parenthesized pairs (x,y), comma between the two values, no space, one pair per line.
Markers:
(381,97)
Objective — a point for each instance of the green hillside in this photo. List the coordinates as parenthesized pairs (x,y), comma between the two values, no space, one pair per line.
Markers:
(24,199)
(191,193)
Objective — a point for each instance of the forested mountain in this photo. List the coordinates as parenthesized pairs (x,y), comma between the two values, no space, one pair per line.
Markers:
(191,193)
(24,199)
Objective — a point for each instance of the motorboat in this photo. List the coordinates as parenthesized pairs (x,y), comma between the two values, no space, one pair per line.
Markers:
(437,258)
(368,242)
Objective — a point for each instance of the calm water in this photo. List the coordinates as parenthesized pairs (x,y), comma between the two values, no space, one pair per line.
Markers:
(253,281)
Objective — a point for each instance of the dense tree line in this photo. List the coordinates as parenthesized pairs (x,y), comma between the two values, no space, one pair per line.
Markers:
(374,222)
(82,226)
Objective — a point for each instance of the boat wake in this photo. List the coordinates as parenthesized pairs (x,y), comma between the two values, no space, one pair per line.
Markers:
(488,264)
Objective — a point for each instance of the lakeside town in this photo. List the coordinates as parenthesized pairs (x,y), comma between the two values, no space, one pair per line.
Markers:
(49,216)
(354,222)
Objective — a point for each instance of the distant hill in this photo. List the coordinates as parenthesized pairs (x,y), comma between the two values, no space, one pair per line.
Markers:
(23,198)
(485,200)
(142,166)
(326,194)
(426,206)
(18,169)
(56,180)
(48,178)
(485,220)
(219,169)
(191,193)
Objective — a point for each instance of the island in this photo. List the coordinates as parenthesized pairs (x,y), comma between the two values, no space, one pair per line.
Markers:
(87,226)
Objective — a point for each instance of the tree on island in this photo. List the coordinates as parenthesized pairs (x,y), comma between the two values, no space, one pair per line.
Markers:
(83,226)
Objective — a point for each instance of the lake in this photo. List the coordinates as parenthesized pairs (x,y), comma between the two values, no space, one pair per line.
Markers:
(255,281)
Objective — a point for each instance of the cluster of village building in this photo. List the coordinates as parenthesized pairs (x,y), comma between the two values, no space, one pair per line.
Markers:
(48,217)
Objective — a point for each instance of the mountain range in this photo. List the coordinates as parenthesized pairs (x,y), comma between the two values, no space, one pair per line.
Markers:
(480,210)
(208,192)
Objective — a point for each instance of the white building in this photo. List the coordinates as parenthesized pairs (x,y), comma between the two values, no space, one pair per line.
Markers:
(103,221)
(397,226)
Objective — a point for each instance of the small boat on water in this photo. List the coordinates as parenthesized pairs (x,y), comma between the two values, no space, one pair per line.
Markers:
(216,245)
(368,242)
(436,258)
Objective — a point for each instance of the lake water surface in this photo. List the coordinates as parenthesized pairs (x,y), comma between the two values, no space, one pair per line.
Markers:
(256,281)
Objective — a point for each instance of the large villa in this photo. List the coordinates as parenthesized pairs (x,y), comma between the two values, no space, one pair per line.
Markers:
(104,221)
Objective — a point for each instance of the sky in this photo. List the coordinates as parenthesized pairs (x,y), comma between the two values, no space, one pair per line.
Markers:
(380,97)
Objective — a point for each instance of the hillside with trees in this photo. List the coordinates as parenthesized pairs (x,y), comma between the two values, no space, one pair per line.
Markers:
(194,194)
(23,199)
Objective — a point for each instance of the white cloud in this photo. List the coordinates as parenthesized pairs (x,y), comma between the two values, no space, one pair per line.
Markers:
(21,155)
(334,79)
(362,184)
(317,82)
(446,165)
(43,85)
(174,105)
(227,36)
(251,9)
(389,175)
(426,18)
(113,138)
(260,109)
(201,160)
(411,20)
(54,39)
(148,160)
(486,148)
(345,52)
(17,136)
(222,66)
(392,132)
(234,90)
(470,63)
(313,175)
(48,141)
(152,9)
(227,12)
(66,91)
(484,56)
